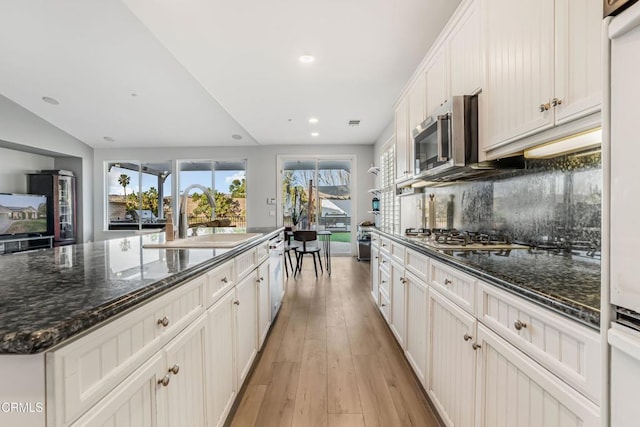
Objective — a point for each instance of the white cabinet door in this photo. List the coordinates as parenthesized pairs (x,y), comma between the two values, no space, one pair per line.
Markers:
(264,307)
(417,100)
(403,167)
(520,54)
(398,303)
(437,76)
(417,301)
(247,325)
(185,367)
(136,402)
(374,273)
(514,390)
(221,377)
(465,53)
(451,359)
(578,58)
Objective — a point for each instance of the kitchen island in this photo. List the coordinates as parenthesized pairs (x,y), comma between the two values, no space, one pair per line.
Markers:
(102,322)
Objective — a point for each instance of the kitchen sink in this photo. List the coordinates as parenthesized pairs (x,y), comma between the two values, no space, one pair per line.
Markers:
(217,240)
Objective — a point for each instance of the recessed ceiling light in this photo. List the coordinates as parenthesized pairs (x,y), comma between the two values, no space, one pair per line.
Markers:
(315,134)
(236,136)
(313,120)
(133,94)
(50,100)
(306,59)
(109,139)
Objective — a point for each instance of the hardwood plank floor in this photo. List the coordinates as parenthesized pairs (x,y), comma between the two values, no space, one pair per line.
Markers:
(330,360)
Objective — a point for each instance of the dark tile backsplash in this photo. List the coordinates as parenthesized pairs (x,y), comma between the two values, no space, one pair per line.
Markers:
(551,200)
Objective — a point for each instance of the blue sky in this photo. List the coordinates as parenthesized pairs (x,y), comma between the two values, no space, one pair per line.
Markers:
(223,180)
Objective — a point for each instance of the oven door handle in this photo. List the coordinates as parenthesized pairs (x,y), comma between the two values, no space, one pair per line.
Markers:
(444,137)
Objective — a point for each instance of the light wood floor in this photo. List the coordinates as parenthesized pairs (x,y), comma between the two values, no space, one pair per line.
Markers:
(330,360)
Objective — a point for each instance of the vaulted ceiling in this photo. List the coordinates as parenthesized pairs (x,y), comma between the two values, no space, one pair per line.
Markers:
(159,73)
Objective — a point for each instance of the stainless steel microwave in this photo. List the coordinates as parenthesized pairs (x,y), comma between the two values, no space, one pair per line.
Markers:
(613,7)
(448,139)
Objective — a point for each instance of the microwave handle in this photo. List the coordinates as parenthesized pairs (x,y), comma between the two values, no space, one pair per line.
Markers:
(443,142)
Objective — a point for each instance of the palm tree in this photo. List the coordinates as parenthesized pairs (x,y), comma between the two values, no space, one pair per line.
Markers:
(124,180)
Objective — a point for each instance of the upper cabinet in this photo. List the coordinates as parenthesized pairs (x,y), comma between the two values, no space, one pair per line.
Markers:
(543,67)
(465,53)
(437,76)
(403,138)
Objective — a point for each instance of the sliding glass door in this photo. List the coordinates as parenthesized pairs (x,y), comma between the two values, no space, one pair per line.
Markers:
(316,194)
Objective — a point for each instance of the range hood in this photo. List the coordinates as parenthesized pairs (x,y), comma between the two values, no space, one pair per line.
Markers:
(472,171)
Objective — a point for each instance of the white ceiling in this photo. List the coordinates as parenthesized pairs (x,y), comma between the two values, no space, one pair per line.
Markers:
(204,70)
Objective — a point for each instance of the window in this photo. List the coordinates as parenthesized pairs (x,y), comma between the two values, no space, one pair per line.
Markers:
(138,194)
(389,202)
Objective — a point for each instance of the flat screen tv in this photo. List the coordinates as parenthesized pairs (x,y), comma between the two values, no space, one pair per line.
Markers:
(22,214)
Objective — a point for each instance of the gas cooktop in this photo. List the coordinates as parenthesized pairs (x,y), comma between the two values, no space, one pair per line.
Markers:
(454,240)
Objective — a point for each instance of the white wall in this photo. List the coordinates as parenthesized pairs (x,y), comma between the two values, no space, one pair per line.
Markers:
(262,174)
(22,130)
(14,165)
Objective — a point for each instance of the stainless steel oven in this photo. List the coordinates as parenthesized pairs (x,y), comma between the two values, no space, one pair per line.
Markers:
(447,139)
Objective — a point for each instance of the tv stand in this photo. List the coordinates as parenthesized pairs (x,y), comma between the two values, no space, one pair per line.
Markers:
(24,243)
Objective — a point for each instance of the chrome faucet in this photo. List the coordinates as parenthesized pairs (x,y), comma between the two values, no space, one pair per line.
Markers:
(183,222)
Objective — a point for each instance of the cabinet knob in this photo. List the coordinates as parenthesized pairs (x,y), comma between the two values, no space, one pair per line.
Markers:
(447,282)
(164,381)
(476,346)
(544,107)
(556,101)
(261,278)
(467,337)
(224,279)
(518,324)
(383,305)
(174,369)
(164,321)
(236,302)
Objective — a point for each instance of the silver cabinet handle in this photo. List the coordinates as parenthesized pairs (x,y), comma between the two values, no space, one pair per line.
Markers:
(383,305)
(467,337)
(476,346)
(236,302)
(224,279)
(447,282)
(164,381)
(174,369)
(544,107)
(518,324)
(164,321)
(556,101)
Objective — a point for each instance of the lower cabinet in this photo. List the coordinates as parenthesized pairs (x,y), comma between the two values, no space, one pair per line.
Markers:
(416,352)
(513,390)
(246,325)
(221,375)
(398,303)
(374,272)
(264,302)
(452,360)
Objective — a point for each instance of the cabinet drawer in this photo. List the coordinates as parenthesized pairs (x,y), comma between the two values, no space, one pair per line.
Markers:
(385,245)
(245,263)
(397,252)
(418,264)
(566,348)
(375,240)
(454,284)
(219,281)
(385,260)
(385,305)
(262,252)
(385,280)
(84,371)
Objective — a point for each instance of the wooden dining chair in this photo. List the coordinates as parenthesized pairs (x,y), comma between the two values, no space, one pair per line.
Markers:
(309,240)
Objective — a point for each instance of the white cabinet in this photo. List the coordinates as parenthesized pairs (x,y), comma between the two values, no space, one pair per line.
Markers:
(417,104)
(466,52)
(185,376)
(398,303)
(403,141)
(264,305)
(437,77)
(135,402)
(417,301)
(514,390)
(221,376)
(246,325)
(375,272)
(451,361)
(543,65)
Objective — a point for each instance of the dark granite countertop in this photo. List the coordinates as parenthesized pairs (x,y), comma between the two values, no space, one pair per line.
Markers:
(567,284)
(50,295)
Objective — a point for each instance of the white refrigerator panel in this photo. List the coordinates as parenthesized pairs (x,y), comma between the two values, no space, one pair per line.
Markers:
(625,159)
(625,376)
